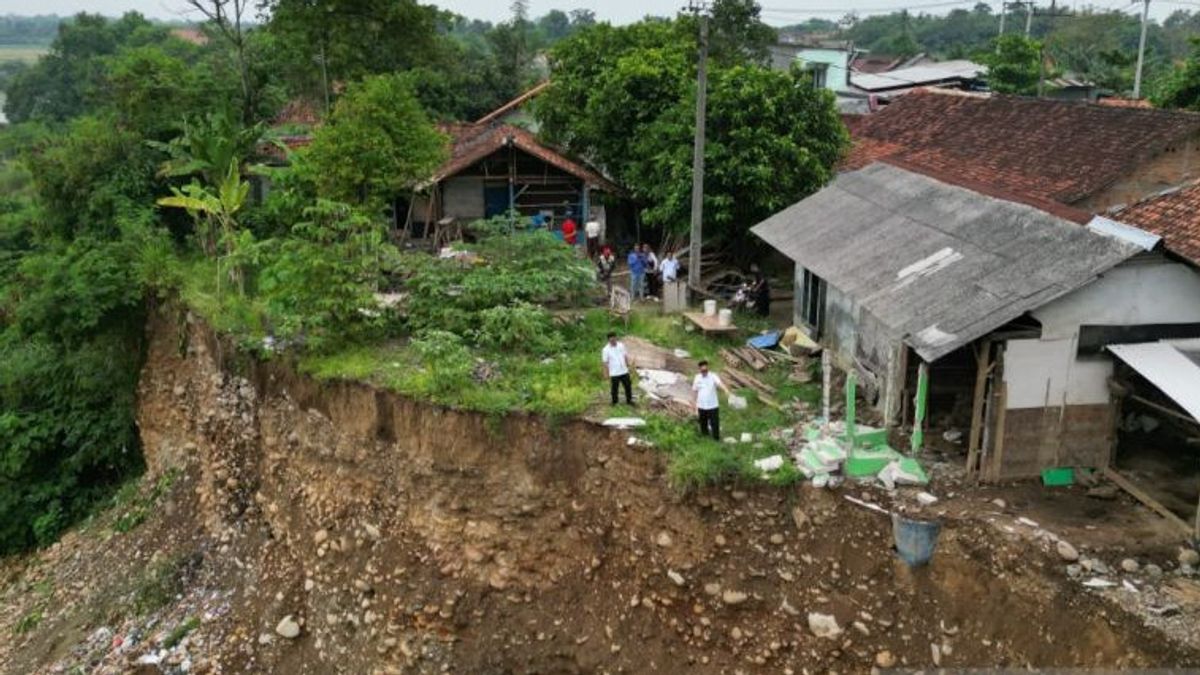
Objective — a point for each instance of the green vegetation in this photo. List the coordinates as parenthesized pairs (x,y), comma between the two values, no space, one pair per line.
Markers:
(134,172)
(625,96)
(1180,88)
(160,582)
(1014,66)
(136,504)
(179,632)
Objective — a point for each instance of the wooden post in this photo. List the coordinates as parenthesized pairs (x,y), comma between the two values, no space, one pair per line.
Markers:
(826,380)
(919,406)
(983,357)
(1001,413)
(851,395)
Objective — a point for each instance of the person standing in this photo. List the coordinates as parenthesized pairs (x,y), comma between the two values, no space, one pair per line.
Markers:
(669,267)
(591,230)
(651,271)
(616,367)
(637,273)
(604,268)
(761,293)
(569,230)
(705,402)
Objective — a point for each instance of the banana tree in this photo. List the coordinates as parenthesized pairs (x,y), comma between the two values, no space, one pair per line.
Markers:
(215,214)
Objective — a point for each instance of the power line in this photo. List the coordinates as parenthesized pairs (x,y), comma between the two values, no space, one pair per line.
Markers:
(853,10)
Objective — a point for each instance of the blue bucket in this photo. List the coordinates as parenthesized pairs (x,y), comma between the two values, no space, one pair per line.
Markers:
(915,539)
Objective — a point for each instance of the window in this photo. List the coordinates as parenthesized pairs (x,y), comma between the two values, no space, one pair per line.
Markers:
(812,302)
(819,74)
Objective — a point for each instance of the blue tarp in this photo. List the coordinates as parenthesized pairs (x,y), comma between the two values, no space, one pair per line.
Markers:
(766,340)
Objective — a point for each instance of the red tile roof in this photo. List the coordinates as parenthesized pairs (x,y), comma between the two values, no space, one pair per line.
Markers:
(473,142)
(1173,215)
(1064,151)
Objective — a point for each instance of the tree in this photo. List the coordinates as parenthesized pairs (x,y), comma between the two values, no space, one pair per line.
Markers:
(738,32)
(625,98)
(1180,88)
(1015,65)
(377,143)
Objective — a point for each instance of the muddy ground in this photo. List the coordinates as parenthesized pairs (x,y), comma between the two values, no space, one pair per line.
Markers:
(333,528)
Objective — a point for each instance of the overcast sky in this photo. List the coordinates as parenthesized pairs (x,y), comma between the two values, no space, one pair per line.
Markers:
(776,12)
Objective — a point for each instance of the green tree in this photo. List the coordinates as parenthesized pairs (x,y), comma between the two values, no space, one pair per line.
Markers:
(1180,88)
(1014,66)
(738,32)
(625,98)
(377,143)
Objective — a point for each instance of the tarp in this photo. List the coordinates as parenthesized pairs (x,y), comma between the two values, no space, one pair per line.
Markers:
(1169,367)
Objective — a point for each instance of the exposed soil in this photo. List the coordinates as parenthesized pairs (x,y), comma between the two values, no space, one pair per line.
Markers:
(407,538)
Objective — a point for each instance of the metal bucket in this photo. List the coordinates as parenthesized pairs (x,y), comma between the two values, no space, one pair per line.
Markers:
(915,539)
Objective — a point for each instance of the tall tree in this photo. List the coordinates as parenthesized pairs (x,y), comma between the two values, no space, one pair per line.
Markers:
(738,32)
(1014,66)
(1180,88)
(625,98)
(229,17)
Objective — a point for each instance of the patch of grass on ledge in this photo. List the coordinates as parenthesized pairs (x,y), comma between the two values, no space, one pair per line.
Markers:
(569,383)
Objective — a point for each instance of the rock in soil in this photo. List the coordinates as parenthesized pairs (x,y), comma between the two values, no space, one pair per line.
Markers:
(1066,551)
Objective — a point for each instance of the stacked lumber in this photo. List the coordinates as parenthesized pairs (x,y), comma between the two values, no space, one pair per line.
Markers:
(763,391)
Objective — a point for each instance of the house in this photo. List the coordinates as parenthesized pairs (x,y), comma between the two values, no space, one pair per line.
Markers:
(1006,302)
(829,63)
(497,167)
(1089,156)
(959,74)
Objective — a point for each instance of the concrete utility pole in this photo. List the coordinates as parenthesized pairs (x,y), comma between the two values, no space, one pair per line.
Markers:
(701,11)
(1003,14)
(1137,75)
(1028,17)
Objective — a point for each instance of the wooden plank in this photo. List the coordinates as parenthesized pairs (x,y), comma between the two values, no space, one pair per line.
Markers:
(708,324)
(1001,411)
(983,357)
(1152,503)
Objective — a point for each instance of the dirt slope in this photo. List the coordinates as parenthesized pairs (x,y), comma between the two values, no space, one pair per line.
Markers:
(398,537)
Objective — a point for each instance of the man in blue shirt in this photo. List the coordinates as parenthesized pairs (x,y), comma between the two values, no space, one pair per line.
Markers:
(637,273)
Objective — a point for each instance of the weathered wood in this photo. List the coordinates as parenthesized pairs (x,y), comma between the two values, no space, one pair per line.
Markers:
(983,357)
(1165,410)
(1001,413)
(1143,497)
(708,324)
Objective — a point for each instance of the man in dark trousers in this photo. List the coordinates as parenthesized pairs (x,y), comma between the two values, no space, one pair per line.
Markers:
(705,403)
(616,367)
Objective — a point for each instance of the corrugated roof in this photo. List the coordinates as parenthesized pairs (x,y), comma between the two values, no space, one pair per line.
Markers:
(937,264)
(1173,370)
(916,76)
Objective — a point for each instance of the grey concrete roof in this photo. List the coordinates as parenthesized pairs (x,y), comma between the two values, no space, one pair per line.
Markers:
(937,264)
(916,76)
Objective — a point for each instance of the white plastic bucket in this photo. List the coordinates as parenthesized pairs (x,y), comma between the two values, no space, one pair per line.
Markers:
(710,308)
(725,318)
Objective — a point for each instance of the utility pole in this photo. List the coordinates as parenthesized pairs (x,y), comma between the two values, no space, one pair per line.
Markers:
(699,9)
(1137,75)
(1003,13)
(1028,17)
(1054,13)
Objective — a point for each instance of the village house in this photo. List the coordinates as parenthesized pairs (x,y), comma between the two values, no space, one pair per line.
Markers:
(1006,302)
(1089,156)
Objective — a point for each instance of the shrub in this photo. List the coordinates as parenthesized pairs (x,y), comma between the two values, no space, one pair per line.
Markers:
(519,326)
(446,359)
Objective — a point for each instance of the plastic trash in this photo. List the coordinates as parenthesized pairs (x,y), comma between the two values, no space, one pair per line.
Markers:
(737,402)
(624,422)
(772,463)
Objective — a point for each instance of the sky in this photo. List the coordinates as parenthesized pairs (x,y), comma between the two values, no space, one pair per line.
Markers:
(775,12)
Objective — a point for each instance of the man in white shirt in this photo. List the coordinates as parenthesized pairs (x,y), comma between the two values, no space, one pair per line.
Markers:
(669,267)
(616,367)
(705,402)
(591,230)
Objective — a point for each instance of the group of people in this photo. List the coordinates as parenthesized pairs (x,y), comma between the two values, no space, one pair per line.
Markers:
(705,384)
(647,273)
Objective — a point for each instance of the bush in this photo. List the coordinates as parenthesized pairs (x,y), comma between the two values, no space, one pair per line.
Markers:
(446,358)
(519,326)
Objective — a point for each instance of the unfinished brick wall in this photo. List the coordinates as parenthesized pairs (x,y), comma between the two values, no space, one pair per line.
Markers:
(1041,438)
(1177,165)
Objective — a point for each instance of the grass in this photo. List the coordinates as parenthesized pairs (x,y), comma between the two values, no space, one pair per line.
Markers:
(177,634)
(136,506)
(28,623)
(161,582)
(568,384)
